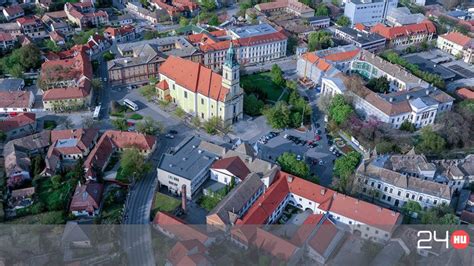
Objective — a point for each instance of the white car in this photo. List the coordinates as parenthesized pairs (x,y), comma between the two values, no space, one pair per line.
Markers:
(331,149)
(321,162)
(286,136)
(298,157)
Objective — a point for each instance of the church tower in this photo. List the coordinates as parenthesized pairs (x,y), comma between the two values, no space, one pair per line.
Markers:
(231,72)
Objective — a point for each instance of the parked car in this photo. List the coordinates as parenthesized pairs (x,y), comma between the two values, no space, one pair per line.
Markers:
(317,138)
(298,157)
(174,132)
(170,136)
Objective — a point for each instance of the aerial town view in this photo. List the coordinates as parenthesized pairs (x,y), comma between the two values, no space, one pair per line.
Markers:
(225,132)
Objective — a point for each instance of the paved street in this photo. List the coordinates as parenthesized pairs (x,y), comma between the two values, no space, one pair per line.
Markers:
(286,64)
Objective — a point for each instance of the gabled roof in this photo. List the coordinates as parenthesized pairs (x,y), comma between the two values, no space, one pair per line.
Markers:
(179,228)
(17,121)
(232,164)
(87,197)
(425,27)
(458,38)
(274,245)
(163,85)
(184,249)
(194,77)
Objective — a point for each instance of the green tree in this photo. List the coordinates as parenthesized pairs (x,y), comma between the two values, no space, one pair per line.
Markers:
(411,207)
(183,21)
(52,46)
(380,84)
(108,56)
(3,136)
(277,75)
(96,84)
(278,116)
(212,125)
(339,110)
(149,126)
(120,124)
(196,121)
(430,142)
(346,165)
(149,35)
(322,10)
(441,214)
(56,180)
(148,91)
(289,163)
(208,5)
(252,105)
(319,40)
(292,85)
(385,147)
(407,126)
(213,20)
(30,57)
(343,21)
(37,165)
(133,164)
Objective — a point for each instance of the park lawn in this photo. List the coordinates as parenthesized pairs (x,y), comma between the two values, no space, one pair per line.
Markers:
(55,199)
(121,178)
(264,82)
(164,203)
(49,124)
(52,217)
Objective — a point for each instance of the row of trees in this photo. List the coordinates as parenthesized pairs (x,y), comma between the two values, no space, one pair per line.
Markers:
(429,77)
(441,214)
(147,126)
(292,114)
(21,60)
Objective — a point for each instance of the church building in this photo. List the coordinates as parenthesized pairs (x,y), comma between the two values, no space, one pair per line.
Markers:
(200,91)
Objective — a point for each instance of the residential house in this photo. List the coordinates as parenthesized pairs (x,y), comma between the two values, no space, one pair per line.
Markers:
(175,8)
(57,38)
(174,227)
(372,42)
(319,22)
(456,173)
(96,44)
(154,17)
(12,84)
(228,170)
(7,41)
(16,101)
(289,6)
(83,14)
(66,81)
(44,4)
(116,141)
(203,93)
(458,45)
(13,12)
(18,126)
(11,28)
(67,147)
(21,198)
(86,199)
(418,106)
(121,34)
(368,12)
(406,35)
(17,154)
(121,20)
(32,27)
(390,187)
(186,167)
(236,203)
(252,44)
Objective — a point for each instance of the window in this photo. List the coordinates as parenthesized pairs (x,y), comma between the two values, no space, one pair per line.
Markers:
(186,94)
(379,186)
(202,101)
(391,190)
(385,189)
(435,201)
(399,193)
(407,195)
(413,197)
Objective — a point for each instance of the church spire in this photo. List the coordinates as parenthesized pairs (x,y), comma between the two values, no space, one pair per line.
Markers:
(231,57)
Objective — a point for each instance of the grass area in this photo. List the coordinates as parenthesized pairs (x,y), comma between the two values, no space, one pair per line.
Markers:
(179,112)
(164,203)
(50,124)
(208,202)
(52,217)
(135,116)
(117,114)
(112,209)
(261,82)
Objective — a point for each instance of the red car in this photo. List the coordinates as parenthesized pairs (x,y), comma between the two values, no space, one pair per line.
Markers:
(317,138)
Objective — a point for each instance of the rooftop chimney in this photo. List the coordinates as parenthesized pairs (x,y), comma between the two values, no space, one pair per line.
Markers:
(323,191)
(408,96)
(289,179)
(390,99)
(183,197)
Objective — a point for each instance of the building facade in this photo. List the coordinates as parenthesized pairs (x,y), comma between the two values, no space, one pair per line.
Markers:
(368,12)
(458,45)
(406,35)
(201,92)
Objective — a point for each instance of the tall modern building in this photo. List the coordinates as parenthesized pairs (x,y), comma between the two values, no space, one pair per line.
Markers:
(368,12)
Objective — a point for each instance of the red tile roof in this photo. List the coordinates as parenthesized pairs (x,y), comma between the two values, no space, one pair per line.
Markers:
(28,21)
(65,93)
(86,197)
(323,237)
(17,121)
(119,31)
(184,248)
(316,60)
(343,56)
(234,165)
(457,38)
(249,41)
(15,99)
(465,93)
(162,85)
(179,228)
(13,10)
(194,77)
(305,230)
(390,33)
(274,245)
(113,139)
(359,27)
(327,199)
(6,37)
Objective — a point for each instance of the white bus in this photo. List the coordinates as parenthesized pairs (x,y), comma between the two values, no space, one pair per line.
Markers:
(130,104)
(96,112)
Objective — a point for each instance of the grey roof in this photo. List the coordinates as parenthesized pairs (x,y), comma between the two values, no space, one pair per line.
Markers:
(253,30)
(402,15)
(430,66)
(317,18)
(142,55)
(429,96)
(373,170)
(10,84)
(361,37)
(185,52)
(390,68)
(173,40)
(187,159)
(237,198)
